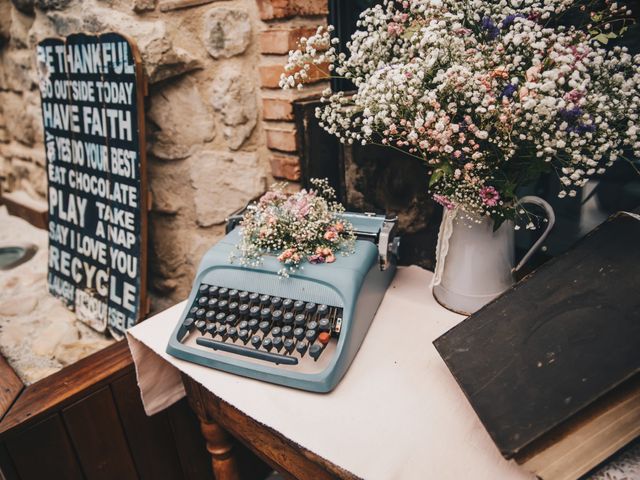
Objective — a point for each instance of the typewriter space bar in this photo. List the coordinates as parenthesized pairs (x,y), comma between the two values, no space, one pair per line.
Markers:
(247,352)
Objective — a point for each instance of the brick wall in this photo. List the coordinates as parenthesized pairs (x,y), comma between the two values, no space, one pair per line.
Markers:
(285,22)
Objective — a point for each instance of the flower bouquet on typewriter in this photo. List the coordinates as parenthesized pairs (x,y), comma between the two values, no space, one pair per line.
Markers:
(490,95)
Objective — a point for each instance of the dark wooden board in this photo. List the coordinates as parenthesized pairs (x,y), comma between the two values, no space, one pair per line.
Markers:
(66,386)
(560,339)
(10,386)
(7,468)
(98,439)
(150,438)
(44,451)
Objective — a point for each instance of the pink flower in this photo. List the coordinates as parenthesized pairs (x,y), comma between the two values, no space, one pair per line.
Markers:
(316,259)
(489,196)
(444,201)
(286,255)
(330,235)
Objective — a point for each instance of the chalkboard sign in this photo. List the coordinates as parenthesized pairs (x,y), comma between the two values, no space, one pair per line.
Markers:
(92,91)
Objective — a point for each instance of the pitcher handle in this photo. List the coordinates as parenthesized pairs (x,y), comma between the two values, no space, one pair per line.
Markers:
(551,220)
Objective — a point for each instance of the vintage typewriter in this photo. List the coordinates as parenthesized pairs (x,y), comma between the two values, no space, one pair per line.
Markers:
(302,331)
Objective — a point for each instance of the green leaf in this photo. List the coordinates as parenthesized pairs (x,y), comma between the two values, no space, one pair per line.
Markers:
(435,177)
(612,35)
(602,38)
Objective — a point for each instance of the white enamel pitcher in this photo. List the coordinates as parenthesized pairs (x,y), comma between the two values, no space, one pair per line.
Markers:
(474,264)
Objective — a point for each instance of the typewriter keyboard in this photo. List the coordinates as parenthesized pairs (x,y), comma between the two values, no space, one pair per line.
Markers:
(261,327)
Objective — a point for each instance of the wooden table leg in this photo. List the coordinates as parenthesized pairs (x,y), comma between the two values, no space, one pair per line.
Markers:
(220,447)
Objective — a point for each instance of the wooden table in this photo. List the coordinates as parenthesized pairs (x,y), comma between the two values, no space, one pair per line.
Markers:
(397,414)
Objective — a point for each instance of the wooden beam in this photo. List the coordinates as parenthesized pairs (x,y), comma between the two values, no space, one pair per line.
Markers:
(10,386)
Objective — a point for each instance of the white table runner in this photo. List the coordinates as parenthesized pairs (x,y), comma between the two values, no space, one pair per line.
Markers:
(397,414)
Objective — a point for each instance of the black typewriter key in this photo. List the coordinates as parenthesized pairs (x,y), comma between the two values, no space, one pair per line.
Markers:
(311,335)
(200,313)
(265,314)
(277,343)
(276,302)
(254,312)
(298,306)
(203,288)
(210,315)
(243,297)
(188,323)
(222,331)
(253,325)
(265,326)
(312,325)
(243,335)
(265,300)
(287,318)
(223,292)
(233,294)
(299,333)
(211,329)
(193,310)
(310,307)
(220,317)
(213,291)
(289,345)
(202,301)
(243,325)
(287,331)
(267,344)
(315,350)
(231,319)
(323,309)
(287,304)
(253,298)
(201,325)
(223,305)
(276,316)
(256,341)
(300,320)
(301,347)
(212,302)
(324,324)
(276,332)
(243,310)
(232,333)
(233,307)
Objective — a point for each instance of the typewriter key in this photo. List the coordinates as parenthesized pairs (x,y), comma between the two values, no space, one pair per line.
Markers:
(287,304)
(300,320)
(312,325)
(233,307)
(323,309)
(243,297)
(210,315)
(310,307)
(243,325)
(243,334)
(289,345)
(232,332)
(188,323)
(324,338)
(233,294)
(287,331)
(276,316)
(324,325)
(265,300)
(212,302)
(253,325)
(315,350)
(287,318)
(203,288)
(213,291)
(222,331)
(223,292)
(231,319)
(200,313)
(202,301)
(193,310)
(201,325)
(254,312)
(211,329)
(276,332)
(299,333)
(223,305)
(265,314)
(243,310)
(311,335)
(277,343)
(265,326)
(220,317)
(298,306)
(256,341)
(301,347)
(253,298)
(267,344)
(276,302)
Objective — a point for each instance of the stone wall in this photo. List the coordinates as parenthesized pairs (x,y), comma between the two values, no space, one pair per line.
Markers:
(218,128)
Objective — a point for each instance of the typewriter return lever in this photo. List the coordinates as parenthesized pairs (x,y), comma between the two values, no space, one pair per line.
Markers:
(388,242)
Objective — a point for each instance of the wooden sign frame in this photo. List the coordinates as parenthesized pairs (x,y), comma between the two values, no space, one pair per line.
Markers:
(92,90)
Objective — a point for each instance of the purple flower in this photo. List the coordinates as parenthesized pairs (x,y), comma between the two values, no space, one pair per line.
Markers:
(316,259)
(509,90)
(488,25)
(509,19)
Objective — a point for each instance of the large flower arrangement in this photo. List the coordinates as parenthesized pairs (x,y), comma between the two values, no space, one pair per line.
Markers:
(490,93)
(303,226)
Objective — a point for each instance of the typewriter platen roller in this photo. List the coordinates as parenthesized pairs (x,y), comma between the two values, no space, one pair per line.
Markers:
(302,331)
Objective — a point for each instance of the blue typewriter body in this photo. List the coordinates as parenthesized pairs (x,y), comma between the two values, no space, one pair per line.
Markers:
(301,331)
